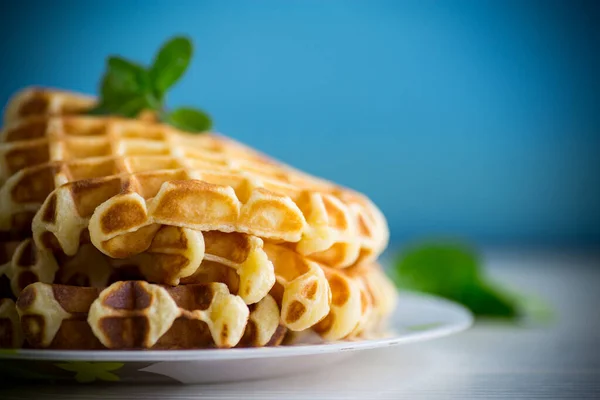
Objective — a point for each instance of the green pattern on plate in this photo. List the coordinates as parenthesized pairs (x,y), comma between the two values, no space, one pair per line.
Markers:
(87,372)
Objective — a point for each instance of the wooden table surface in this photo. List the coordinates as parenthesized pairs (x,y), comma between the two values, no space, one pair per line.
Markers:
(491,361)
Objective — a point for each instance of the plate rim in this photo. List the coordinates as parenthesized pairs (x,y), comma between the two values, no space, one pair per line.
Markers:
(406,337)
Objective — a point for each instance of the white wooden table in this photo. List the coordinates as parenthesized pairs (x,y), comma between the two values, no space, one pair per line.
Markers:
(561,361)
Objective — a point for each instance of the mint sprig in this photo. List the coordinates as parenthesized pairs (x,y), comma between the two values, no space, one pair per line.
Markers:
(454,271)
(170,64)
(128,88)
(187,119)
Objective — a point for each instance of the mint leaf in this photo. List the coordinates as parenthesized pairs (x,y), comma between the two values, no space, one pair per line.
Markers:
(98,109)
(189,119)
(454,271)
(127,89)
(131,107)
(124,89)
(447,270)
(123,80)
(485,299)
(532,307)
(170,64)
(127,76)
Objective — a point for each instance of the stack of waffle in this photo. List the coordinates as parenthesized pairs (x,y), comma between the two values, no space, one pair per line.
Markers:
(128,234)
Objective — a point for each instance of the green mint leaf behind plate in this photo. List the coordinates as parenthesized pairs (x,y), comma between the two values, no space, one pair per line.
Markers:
(189,119)
(446,270)
(453,271)
(487,300)
(170,64)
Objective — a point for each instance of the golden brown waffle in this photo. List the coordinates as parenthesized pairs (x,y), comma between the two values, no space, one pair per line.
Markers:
(378,299)
(238,260)
(336,303)
(175,253)
(7,250)
(127,165)
(335,300)
(264,316)
(48,152)
(88,268)
(11,335)
(302,290)
(350,305)
(30,143)
(332,233)
(28,265)
(10,328)
(352,309)
(38,101)
(173,271)
(363,299)
(382,297)
(232,187)
(136,314)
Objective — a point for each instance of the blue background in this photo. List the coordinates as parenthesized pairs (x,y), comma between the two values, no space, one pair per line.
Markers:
(479,119)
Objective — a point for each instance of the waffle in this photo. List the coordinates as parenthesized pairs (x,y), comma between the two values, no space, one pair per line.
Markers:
(378,299)
(139,315)
(10,328)
(7,250)
(303,287)
(363,300)
(335,303)
(172,254)
(11,335)
(301,290)
(98,162)
(132,244)
(350,306)
(264,327)
(28,265)
(354,309)
(382,297)
(88,268)
(119,200)
(238,260)
(37,101)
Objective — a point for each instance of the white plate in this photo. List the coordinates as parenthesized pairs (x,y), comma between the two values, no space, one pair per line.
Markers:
(418,317)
